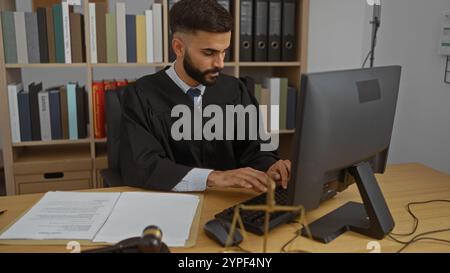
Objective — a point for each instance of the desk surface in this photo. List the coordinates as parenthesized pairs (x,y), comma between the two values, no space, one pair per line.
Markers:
(400,184)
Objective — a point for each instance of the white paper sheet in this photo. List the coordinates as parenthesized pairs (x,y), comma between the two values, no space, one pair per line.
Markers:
(64,215)
(135,211)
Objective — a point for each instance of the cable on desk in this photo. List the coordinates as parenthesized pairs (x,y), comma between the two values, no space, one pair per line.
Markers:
(418,237)
(298,234)
(416,220)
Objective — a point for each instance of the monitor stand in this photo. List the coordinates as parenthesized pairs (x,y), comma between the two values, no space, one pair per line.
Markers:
(372,218)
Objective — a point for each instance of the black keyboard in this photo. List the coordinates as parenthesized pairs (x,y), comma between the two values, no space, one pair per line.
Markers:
(254,220)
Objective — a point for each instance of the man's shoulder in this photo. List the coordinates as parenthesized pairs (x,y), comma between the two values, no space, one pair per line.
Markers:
(149,80)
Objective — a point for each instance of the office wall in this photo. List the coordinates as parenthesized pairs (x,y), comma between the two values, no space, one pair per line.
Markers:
(336,34)
(410,37)
(340,38)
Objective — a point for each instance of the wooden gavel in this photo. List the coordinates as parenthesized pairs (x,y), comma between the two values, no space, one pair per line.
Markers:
(149,242)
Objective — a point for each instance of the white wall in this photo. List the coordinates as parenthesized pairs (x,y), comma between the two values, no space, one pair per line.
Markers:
(336,34)
(339,38)
(410,37)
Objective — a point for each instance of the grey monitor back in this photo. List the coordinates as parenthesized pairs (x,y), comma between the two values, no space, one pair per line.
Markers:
(343,118)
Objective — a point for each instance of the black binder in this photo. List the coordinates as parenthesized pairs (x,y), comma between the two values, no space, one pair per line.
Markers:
(260,30)
(229,52)
(289,43)
(274,43)
(34,110)
(43,37)
(81,112)
(246,31)
(131,38)
(172,55)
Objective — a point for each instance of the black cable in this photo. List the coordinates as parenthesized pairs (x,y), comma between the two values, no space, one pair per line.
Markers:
(424,238)
(446,70)
(416,220)
(415,239)
(418,237)
(298,233)
(367,58)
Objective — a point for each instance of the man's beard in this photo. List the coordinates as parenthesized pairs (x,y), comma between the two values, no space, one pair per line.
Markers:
(197,74)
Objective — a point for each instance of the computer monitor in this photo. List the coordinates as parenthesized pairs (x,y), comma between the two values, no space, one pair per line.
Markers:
(344,127)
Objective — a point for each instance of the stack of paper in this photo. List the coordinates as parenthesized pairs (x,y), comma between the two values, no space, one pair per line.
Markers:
(172,213)
(106,217)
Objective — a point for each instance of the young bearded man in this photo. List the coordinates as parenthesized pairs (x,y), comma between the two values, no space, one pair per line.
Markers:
(149,155)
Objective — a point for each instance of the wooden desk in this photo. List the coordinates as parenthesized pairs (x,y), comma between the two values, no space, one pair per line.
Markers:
(401,184)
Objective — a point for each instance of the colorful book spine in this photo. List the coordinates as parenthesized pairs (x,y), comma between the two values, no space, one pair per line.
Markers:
(13,91)
(9,37)
(93,33)
(111,38)
(59,33)
(44,116)
(24,116)
(66,33)
(72,110)
(98,92)
(55,114)
(141,39)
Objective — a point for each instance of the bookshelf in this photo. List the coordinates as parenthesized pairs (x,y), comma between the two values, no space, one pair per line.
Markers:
(75,164)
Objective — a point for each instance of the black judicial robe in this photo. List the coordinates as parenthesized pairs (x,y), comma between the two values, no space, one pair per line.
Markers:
(150,158)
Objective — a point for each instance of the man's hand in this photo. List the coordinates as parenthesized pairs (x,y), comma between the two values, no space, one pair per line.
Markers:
(280,172)
(240,178)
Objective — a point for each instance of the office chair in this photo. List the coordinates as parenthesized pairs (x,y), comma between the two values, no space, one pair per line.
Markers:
(113,111)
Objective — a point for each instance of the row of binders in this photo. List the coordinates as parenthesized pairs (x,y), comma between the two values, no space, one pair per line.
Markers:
(49,35)
(118,37)
(275,91)
(268,30)
(55,113)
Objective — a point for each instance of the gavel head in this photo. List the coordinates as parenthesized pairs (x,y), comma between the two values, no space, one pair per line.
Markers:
(151,240)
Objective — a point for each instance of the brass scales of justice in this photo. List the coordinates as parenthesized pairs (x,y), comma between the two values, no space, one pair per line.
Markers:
(268,208)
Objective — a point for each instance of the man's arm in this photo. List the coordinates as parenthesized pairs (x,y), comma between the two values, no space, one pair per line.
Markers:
(195,180)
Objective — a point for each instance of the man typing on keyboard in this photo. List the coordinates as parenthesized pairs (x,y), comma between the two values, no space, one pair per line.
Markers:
(150,156)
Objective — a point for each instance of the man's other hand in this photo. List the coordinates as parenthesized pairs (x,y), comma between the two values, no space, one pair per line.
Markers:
(280,172)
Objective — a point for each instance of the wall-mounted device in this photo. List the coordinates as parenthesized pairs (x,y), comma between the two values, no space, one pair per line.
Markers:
(444,44)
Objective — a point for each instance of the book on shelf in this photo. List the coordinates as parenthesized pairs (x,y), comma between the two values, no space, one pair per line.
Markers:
(118,37)
(51,34)
(24,115)
(33,90)
(54,113)
(13,91)
(111,38)
(99,89)
(275,91)
(44,115)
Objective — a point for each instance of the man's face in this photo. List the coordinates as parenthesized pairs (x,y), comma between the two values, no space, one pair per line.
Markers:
(204,54)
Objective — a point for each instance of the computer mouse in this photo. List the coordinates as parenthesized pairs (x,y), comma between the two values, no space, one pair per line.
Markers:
(218,231)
